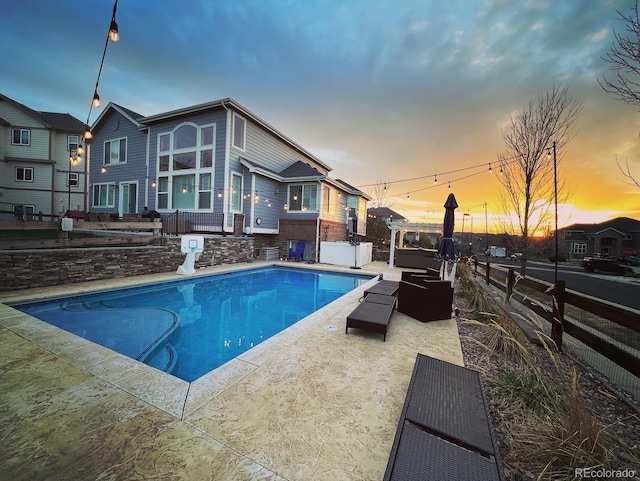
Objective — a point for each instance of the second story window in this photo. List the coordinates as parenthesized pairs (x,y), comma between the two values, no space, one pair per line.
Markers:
(21,137)
(72,179)
(115,152)
(24,174)
(72,143)
(238,132)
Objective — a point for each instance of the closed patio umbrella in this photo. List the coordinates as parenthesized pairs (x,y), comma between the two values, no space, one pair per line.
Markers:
(446,249)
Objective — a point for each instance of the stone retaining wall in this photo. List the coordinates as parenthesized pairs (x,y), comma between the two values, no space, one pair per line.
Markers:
(22,269)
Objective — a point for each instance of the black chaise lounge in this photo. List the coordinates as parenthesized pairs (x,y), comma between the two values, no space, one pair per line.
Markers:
(372,314)
(444,432)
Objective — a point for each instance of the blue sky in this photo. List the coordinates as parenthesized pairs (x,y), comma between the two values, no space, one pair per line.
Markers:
(382,91)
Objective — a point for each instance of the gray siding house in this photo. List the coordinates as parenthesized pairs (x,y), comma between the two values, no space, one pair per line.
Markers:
(36,174)
(219,161)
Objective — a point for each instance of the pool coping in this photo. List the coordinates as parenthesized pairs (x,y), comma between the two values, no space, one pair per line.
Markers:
(172,395)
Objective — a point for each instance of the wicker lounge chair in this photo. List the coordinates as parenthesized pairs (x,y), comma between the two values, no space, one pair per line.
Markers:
(426,300)
(388,288)
(372,314)
(444,432)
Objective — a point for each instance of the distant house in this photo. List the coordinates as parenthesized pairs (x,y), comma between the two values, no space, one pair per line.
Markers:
(385,213)
(36,175)
(220,161)
(612,238)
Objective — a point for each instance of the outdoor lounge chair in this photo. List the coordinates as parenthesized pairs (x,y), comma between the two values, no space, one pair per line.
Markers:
(372,314)
(297,252)
(430,300)
(444,432)
(388,288)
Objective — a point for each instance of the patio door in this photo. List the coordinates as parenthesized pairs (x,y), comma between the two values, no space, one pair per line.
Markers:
(128,198)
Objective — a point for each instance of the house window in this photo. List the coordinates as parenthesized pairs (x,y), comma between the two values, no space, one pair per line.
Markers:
(183,195)
(185,137)
(326,198)
(236,192)
(24,174)
(104,195)
(72,179)
(185,158)
(303,197)
(580,248)
(72,143)
(204,192)
(163,193)
(21,137)
(239,133)
(115,152)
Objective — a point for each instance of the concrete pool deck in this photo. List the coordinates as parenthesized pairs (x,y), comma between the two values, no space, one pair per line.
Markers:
(310,403)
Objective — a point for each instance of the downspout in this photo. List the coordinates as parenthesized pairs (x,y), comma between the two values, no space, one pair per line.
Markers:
(146,184)
(225,186)
(85,194)
(53,178)
(253,203)
(318,225)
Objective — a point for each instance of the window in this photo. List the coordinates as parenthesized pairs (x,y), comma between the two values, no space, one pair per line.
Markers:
(163,193)
(326,194)
(303,197)
(72,143)
(184,161)
(164,142)
(184,192)
(238,132)
(204,192)
(115,152)
(104,195)
(206,158)
(207,135)
(24,174)
(236,192)
(580,248)
(72,179)
(185,137)
(21,137)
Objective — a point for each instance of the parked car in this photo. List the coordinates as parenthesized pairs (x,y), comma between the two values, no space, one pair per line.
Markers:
(604,264)
(630,260)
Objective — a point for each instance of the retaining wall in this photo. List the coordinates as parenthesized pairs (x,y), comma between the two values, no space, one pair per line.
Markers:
(22,269)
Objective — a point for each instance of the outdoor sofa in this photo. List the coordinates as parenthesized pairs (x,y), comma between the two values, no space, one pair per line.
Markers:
(425,297)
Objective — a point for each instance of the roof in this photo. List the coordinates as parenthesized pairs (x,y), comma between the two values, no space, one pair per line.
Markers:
(52,120)
(385,213)
(134,117)
(231,103)
(300,169)
(624,225)
(353,190)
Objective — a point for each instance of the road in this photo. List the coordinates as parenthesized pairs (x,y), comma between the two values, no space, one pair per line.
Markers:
(611,287)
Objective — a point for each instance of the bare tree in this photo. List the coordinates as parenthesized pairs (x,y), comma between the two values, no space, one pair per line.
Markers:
(381,196)
(624,58)
(626,171)
(527,166)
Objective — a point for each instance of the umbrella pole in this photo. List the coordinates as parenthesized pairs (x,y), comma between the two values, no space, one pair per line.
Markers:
(355,255)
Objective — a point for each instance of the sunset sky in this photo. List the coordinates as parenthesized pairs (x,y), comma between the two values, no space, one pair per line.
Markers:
(382,91)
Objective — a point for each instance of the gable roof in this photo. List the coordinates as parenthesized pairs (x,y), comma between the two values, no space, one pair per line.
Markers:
(624,225)
(52,120)
(299,171)
(385,213)
(132,116)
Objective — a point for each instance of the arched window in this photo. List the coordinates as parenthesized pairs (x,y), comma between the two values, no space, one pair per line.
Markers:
(185,137)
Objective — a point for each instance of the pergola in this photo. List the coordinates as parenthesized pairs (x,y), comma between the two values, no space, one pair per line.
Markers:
(403,227)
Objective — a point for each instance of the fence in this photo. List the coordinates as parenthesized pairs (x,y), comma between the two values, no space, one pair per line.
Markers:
(187,222)
(606,336)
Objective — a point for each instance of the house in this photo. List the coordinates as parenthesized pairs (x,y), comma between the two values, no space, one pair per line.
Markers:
(613,238)
(40,169)
(222,169)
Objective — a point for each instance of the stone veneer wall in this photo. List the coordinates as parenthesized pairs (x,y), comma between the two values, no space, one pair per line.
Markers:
(23,269)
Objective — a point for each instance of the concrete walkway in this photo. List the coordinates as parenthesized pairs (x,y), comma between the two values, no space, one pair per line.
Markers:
(309,403)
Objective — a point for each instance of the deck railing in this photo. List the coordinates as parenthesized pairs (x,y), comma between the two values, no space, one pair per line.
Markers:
(181,222)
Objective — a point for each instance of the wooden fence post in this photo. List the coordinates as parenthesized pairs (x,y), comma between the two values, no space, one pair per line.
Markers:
(511,278)
(487,273)
(558,297)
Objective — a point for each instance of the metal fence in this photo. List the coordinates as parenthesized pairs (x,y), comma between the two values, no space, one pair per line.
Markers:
(188,222)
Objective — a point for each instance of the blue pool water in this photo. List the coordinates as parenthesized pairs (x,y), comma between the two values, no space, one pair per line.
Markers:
(189,327)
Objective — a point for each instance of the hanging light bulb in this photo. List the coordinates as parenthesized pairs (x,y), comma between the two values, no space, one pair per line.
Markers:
(114,36)
(96,99)
(501,172)
(435,179)
(80,149)
(449,185)
(407,195)
(490,169)
(87,134)
(153,184)
(385,186)
(103,170)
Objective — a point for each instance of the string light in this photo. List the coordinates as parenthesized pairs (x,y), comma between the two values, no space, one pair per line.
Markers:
(435,179)
(490,169)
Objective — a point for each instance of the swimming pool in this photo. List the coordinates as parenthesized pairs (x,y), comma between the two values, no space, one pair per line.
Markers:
(192,326)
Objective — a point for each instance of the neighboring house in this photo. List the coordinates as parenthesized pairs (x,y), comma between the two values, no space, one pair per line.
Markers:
(229,169)
(613,238)
(36,174)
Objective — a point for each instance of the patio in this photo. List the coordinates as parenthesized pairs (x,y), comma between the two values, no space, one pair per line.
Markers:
(309,403)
